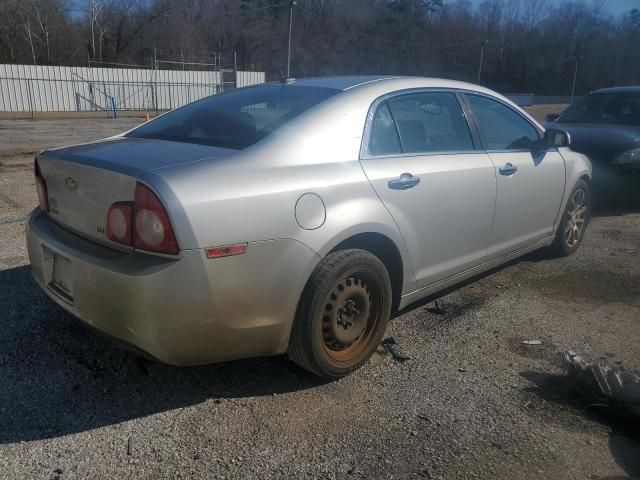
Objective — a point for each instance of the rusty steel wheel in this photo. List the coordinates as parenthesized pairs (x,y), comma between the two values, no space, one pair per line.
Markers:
(351,315)
(342,315)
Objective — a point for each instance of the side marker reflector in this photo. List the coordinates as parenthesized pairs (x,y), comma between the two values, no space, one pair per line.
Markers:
(226,250)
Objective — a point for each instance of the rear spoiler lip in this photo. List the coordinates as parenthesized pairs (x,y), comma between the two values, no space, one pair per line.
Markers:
(69,154)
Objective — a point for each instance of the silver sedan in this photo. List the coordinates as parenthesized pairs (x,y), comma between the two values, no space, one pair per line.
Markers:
(298,216)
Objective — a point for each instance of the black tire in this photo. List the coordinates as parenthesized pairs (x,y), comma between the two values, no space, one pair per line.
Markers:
(349,290)
(564,244)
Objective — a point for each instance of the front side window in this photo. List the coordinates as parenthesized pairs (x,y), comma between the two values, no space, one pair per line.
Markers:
(501,127)
(431,122)
(236,119)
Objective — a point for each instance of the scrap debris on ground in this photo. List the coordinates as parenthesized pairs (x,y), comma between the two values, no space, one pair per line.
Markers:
(394,349)
(611,385)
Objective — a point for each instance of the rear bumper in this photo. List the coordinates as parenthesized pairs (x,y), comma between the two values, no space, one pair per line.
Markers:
(184,311)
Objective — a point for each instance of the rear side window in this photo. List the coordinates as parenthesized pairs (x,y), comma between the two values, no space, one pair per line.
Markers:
(431,122)
(384,138)
(235,119)
(501,127)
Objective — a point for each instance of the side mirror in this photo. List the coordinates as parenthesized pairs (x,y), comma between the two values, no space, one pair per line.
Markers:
(551,117)
(555,138)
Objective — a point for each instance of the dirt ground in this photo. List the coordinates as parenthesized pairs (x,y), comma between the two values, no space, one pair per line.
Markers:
(472,402)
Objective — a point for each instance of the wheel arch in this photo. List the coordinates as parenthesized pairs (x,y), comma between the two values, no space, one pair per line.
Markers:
(586,178)
(386,250)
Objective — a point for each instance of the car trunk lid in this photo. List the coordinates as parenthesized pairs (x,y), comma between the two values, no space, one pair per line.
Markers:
(83,181)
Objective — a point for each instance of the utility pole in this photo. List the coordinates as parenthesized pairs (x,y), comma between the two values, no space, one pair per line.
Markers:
(154,87)
(575,76)
(292,4)
(235,69)
(483,44)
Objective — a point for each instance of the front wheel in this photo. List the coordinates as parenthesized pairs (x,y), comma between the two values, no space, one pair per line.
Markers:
(342,315)
(575,219)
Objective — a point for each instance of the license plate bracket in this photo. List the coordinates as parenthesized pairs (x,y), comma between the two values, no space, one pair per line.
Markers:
(59,274)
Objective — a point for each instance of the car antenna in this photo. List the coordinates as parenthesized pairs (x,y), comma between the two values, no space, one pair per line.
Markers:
(284,79)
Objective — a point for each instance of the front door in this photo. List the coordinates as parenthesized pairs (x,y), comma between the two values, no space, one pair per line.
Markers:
(421,160)
(530,183)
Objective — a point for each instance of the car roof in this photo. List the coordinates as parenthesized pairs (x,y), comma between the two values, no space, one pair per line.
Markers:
(361,82)
(630,89)
(369,87)
(375,86)
(340,82)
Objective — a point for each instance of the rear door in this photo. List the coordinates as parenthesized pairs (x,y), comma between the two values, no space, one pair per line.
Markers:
(530,183)
(425,165)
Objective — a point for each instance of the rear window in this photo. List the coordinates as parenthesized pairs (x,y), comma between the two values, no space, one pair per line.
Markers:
(235,119)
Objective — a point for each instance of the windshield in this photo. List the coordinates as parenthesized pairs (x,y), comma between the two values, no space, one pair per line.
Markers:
(614,108)
(236,119)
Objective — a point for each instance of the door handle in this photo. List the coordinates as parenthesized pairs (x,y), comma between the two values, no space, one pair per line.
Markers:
(404,182)
(508,169)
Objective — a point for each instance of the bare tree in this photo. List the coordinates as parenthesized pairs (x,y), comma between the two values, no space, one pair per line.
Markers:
(532,14)
(30,34)
(41,11)
(532,45)
(9,26)
(97,13)
(93,11)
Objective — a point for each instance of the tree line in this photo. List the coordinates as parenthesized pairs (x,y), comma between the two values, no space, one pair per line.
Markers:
(510,45)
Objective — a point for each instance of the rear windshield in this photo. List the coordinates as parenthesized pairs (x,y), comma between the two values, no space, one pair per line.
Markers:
(235,119)
(614,108)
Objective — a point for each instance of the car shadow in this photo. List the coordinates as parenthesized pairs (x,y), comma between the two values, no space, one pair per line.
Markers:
(58,377)
(615,192)
(540,255)
(624,436)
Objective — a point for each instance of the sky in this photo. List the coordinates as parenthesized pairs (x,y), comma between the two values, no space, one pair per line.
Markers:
(621,6)
(615,7)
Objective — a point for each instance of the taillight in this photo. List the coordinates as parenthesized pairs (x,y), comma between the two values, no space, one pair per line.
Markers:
(119,224)
(143,223)
(152,227)
(41,187)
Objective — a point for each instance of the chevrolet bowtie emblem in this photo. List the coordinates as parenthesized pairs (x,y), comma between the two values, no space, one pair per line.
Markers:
(71,184)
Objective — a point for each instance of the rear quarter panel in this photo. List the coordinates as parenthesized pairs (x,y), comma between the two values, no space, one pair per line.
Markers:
(251,196)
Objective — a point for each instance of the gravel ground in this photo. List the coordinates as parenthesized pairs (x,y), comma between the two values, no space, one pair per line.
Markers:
(30,136)
(472,402)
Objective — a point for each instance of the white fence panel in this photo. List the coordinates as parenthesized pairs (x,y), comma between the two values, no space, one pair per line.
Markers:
(37,88)
(245,79)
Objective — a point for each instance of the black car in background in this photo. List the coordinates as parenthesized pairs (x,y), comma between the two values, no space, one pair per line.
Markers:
(605,126)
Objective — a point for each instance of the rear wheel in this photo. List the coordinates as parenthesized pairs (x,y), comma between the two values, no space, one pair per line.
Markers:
(574,221)
(342,315)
